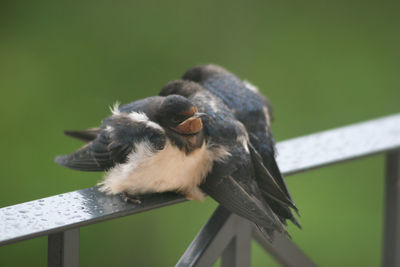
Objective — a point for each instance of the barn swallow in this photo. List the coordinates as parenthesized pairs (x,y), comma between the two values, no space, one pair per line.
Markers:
(242,184)
(152,145)
(255,112)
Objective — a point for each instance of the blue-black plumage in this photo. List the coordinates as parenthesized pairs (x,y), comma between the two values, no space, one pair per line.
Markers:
(234,183)
(255,112)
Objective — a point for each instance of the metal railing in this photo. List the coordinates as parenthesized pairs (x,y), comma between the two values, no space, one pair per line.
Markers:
(225,235)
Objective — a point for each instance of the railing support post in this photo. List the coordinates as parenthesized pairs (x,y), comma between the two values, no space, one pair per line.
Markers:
(63,249)
(391,245)
(237,253)
(224,234)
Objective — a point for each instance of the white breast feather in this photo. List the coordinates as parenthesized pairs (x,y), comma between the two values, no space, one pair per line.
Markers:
(167,170)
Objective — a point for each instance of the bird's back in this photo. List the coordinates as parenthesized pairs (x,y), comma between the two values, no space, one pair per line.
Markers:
(250,108)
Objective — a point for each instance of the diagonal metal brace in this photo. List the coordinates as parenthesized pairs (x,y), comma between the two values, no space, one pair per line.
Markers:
(229,236)
(224,234)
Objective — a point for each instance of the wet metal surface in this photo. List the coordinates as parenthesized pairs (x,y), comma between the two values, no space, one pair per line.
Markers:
(340,144)
(84,207)
(70,210)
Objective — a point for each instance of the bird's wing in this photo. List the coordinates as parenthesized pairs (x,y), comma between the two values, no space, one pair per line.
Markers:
(232,184)
(273,193)
(266,182)
(113,143)
(99,155)
(83,135)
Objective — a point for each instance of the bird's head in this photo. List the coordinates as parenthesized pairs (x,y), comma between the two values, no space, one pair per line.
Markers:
(178,114)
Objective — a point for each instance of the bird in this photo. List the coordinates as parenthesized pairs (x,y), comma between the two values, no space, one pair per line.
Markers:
(255,112)
(151,145)
(242,184)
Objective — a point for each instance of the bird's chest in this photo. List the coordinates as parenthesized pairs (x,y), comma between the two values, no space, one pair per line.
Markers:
(168,170)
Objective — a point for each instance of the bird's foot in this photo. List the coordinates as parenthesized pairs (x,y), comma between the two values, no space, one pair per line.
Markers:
(195,194)
(132,199)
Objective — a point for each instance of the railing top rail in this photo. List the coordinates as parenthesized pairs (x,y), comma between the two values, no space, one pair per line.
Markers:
(339,144)
(87,206)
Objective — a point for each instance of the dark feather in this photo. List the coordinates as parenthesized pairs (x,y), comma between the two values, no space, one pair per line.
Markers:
(266,182)
(82,160)
(149,106)
(230,185)
(83,135)
(117,138)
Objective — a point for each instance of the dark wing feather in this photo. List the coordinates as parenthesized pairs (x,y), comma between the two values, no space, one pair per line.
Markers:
(266,182)
(117,138)
(82,160)
(231,185)
(98,155)
(272,192)
(83,135)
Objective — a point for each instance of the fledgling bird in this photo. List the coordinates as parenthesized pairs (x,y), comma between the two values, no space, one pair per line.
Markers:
(152,145)
(241,184)
(255,112)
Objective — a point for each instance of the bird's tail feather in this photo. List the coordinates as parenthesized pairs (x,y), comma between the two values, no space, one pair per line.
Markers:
(83,135)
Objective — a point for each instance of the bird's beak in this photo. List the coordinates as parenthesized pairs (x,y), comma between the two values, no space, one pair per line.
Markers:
(191,125)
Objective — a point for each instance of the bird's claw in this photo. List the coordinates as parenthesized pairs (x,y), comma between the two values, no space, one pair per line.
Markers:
(129,198)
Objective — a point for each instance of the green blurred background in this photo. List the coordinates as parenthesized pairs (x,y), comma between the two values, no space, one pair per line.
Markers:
(323,64)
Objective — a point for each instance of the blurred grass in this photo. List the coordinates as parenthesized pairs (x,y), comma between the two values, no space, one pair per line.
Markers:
(323,64)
